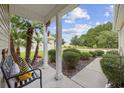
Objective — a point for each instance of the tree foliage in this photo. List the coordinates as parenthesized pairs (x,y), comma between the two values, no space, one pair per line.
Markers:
(100,36)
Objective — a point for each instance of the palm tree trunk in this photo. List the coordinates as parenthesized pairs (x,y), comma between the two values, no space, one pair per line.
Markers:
(29,43)
(18,51)
(36,53)
(12,49)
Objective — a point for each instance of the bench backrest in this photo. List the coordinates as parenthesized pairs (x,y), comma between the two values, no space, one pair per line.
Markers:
(6,66)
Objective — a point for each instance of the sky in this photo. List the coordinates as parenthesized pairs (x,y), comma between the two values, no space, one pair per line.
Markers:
(82,18)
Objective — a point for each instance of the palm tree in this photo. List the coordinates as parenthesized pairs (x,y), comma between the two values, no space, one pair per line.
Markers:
(29,34)
(19,40)
(38,38)
(18,27)
(32,26)
(12,49)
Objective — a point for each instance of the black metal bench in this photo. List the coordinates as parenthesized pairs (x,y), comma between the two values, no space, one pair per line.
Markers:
(6,66)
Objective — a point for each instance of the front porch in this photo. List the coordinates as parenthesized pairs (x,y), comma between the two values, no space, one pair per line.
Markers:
(89,77)
(48,80)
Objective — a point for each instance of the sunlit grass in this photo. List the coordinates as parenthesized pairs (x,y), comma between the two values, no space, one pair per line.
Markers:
(31,55)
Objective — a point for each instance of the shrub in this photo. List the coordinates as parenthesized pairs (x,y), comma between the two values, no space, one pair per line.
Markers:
(99,52)
(93,53)
(112,68)
(71,58)
(72,50)
(112,52)
(52,55)
(85,55)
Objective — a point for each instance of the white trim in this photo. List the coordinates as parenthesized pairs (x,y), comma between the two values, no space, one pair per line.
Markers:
(45,48)
(58,75)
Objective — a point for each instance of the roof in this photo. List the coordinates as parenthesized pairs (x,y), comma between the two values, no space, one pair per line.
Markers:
(40,12)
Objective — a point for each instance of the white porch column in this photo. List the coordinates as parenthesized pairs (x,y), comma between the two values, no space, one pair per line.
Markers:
(45,48)
(59,74)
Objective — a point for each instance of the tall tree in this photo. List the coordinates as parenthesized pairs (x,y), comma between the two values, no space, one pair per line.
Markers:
(18,29)
(19,40)
(100,36)
(38,38)
(29,34)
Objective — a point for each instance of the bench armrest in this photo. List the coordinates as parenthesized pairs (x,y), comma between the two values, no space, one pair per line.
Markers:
(17,75)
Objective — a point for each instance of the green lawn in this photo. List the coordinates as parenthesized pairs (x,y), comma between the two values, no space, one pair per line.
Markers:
(32,54)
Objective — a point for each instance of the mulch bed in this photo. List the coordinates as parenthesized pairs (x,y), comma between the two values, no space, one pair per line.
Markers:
(71,72)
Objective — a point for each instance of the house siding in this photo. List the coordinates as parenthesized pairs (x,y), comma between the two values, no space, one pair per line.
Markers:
(4,27)
(121,41)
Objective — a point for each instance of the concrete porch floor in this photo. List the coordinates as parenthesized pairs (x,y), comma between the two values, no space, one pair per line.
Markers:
(48,81)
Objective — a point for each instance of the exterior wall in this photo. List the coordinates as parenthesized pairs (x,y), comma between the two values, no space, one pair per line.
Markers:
(121,41)
(4,27)
(4,31)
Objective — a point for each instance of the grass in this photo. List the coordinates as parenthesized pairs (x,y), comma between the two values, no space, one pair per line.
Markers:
(31,55)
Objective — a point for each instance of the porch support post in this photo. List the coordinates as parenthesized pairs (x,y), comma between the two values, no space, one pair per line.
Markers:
(59,74)
(45,48)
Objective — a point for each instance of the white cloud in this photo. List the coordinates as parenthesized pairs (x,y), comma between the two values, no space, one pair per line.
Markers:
(77,13)
(78,29)
(69,21)
(105,22)
(110,8)
(97,23)
(109,11)
(107,14)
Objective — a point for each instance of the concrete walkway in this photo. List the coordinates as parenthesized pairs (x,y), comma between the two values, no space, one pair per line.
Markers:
(91,76)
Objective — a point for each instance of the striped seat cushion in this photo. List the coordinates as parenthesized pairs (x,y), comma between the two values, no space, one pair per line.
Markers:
(23,65)
(24,68)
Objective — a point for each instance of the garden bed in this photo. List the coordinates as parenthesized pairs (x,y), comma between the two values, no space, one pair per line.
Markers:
(71,72)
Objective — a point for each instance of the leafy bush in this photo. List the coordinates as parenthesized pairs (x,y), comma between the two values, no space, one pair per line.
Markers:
(112,52)
(112,68)
(85,55)
(52,55)
(71,58)
(93,53)
(99,52)
(72,50)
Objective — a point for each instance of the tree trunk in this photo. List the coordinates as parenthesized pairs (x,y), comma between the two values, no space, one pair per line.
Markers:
(12,49)
(18,51)
(29,43)
(36,53)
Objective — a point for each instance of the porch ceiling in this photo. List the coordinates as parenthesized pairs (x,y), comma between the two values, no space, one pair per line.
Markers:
(118,17)
(40,12)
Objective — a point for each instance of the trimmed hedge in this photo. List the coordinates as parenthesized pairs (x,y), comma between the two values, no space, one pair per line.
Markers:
(112,52)
(112,68)
(71,58)
(52,55)
(85,56)
(99,52)
(93,53)
(72,50)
